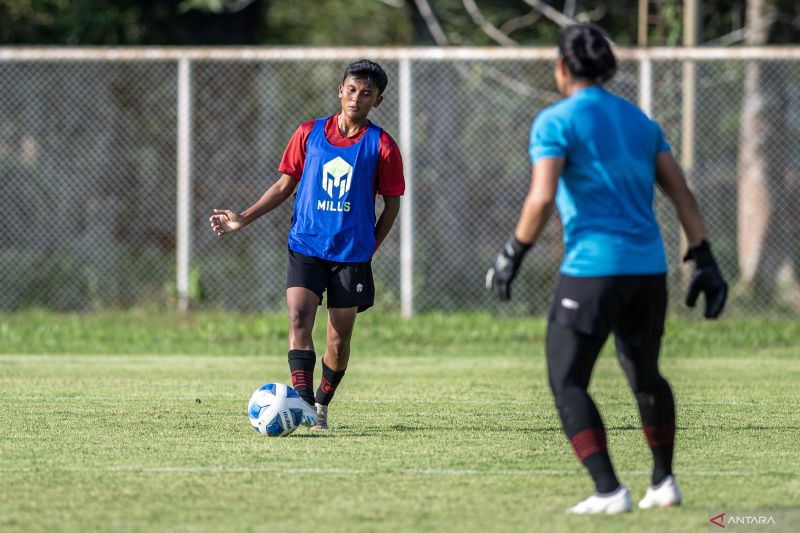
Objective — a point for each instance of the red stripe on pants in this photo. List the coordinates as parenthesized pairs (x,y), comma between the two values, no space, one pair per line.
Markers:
(660,435)
(589,441)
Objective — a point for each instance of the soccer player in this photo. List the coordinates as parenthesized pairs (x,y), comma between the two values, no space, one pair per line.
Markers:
(337,165)
(597,158)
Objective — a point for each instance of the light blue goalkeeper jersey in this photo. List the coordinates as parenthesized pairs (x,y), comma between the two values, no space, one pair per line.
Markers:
(605,192)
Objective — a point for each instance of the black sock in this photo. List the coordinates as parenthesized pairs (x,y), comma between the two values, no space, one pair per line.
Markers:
(662,463)
(327,385)
(599,467)
(301,365)
(591,448)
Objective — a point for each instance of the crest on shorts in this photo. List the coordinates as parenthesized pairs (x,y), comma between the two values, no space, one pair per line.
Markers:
(336,176)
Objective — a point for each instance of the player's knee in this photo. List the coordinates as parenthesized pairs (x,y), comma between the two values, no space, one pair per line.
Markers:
(562,379)
(568,394)
(297,319)
(299,326)
(649,384)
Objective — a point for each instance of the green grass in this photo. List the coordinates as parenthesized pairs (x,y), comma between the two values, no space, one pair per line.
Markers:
(442,423)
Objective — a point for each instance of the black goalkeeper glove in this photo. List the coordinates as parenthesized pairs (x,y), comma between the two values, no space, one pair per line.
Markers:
(505,268)
(707,279)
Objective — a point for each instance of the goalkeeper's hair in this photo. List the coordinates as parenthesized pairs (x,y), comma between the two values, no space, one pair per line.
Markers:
(368,71)
(587,52)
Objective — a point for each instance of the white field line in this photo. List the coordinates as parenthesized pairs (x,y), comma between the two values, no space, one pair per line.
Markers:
(368,472)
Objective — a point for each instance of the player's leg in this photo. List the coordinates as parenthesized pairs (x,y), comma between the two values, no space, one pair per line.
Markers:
(351,290)
(302,305)
(305,283)
(638,342)
(656,403)
(571,356)
(334,363)
(337,350)
(576,332)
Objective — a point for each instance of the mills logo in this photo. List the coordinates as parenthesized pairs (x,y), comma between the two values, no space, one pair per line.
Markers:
(336,177)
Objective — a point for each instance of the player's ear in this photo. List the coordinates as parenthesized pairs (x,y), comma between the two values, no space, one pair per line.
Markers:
(378,100)
(341,90)
(561,66)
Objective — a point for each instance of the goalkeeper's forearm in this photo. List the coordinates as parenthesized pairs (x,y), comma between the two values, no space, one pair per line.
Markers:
(690,218)
(534,216)
(670,179)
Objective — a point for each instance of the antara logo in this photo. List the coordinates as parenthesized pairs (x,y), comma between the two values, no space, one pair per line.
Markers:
(739,519)
(336,177)
(719,520)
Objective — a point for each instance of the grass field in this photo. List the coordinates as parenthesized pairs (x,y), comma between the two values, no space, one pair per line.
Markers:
(136,422)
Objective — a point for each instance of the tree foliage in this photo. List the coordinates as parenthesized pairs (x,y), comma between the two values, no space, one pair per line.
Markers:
(128,22)
(362,22)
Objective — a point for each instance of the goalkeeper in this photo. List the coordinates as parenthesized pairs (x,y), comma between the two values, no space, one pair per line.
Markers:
(598,158)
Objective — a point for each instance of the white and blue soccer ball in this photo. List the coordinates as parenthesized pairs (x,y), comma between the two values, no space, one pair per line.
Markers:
(275,410)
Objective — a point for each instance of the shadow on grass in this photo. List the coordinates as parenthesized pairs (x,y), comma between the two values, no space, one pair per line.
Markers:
(377,431)
(362,431)
(373,431)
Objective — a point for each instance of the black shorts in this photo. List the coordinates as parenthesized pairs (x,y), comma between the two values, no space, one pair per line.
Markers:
(632,307)
(348,284)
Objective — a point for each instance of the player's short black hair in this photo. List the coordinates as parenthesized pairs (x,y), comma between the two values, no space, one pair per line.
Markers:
(587,52)
(368,71)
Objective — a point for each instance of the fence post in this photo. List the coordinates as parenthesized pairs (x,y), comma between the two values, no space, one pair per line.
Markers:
(692,35)
(184,192)
(646,84)
(407,209)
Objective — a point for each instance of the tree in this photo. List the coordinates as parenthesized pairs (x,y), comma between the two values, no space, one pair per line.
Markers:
(765,177)
(129,22)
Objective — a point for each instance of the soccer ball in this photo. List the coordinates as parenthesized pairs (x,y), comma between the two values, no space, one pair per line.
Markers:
(275,410)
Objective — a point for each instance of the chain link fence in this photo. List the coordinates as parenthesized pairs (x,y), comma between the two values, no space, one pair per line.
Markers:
(89,150)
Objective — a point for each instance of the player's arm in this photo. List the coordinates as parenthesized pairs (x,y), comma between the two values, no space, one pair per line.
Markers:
(226,221)
(671,181)
(540,200)
(706,277)
(390,184)
(538,206)
(385,222)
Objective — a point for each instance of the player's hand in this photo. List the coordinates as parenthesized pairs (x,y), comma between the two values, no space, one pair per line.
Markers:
(225,221)
(706,278)
(504,270)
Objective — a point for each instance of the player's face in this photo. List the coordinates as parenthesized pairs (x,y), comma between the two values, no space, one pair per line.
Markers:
(358,97)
